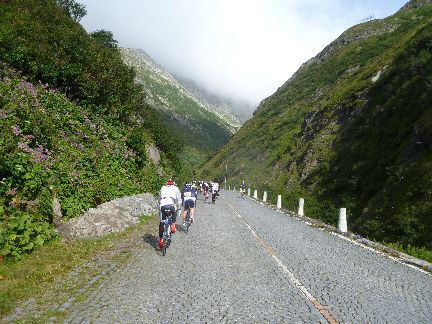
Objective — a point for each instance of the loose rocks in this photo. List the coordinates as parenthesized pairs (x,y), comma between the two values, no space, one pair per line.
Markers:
(113,216)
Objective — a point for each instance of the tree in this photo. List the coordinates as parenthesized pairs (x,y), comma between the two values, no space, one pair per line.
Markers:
(74,9)
(105,37)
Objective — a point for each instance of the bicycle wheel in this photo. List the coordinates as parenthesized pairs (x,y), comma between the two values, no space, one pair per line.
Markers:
(165,240)
(187,220)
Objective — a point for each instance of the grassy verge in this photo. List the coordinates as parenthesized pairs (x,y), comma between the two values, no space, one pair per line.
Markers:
(57,272)
(417,252)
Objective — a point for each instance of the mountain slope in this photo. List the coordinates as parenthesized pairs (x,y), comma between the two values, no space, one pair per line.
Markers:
(74,128)
(197,125)
(352,128)
(235,111)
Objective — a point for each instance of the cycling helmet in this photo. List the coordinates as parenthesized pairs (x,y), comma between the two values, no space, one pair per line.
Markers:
(170,182)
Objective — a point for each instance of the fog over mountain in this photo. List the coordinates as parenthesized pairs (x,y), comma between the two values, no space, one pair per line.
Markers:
(241,49)
(242,109)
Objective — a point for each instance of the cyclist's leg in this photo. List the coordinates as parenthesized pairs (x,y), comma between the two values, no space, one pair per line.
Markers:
(193,206)
(173,219)
(187,206)
(161,218)
(184,214)
(192,214)
(161,227)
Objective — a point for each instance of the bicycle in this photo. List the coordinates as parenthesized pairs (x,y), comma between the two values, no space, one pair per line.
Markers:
(242,193)
(166,236)
(188,219)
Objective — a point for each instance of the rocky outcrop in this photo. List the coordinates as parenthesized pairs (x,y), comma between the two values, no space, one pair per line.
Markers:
(153,153)
(113,216)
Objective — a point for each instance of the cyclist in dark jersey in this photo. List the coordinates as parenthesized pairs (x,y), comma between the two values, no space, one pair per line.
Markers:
(242,188)
(188,196)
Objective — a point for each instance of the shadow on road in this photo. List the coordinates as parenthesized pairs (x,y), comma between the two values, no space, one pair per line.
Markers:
(182,229)
(150,239)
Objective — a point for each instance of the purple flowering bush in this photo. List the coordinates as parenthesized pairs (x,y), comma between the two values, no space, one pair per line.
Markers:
(51,146)
(73,124)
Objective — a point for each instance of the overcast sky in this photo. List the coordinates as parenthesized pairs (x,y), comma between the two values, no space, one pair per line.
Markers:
(244,49)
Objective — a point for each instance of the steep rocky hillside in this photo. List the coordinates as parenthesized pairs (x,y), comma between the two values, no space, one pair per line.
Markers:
(351,128)
(236,110)
(199,125)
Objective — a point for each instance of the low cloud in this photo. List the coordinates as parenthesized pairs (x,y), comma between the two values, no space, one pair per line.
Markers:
(244,49)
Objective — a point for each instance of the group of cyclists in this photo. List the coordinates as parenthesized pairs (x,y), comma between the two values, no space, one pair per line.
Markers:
(209,187)
(173,202)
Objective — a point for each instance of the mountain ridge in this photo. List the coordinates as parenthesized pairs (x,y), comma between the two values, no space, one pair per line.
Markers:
(229,121)
(198,127)
(336,132)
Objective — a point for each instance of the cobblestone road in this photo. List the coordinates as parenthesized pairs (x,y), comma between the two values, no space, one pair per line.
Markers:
(287,273)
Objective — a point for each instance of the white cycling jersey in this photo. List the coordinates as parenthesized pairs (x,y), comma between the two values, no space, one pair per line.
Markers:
(169,195)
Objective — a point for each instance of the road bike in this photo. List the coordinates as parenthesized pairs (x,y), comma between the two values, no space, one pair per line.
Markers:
(188,219)
(166,236)
(242,193)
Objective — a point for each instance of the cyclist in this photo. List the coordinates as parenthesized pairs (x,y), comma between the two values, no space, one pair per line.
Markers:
(215,191)
(189,196)
(169,199)
(195,185)
(205,189)
(243,188)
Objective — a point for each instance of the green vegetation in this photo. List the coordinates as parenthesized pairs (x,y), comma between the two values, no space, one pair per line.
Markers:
(338,139)
(418,252)
(73,123)
(202,131)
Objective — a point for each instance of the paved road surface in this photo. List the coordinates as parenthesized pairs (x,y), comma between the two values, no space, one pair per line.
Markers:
(244,262)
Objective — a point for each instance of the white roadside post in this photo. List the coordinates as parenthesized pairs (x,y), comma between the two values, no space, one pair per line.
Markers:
(255,194)
(229,188)
(342,225)
(279,202)
(301,207)
(265,196)
(248,192)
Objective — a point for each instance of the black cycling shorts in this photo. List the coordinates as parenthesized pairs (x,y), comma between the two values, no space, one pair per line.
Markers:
(168,211)
(189,203)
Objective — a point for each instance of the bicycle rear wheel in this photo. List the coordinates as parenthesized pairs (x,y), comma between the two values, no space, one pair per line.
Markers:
(187,220)
(165,240)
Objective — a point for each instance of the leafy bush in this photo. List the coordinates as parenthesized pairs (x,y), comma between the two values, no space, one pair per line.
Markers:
(23,233)
(72,123)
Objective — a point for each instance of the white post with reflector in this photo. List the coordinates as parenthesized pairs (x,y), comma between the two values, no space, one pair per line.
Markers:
(279,202)
(342,225)
(301,207)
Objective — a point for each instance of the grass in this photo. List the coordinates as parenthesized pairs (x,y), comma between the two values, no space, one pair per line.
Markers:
(56,272)
(417,252)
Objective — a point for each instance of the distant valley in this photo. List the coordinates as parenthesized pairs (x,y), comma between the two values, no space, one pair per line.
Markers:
(203,121)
